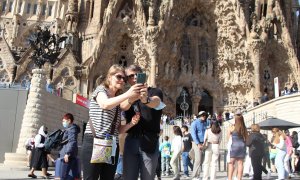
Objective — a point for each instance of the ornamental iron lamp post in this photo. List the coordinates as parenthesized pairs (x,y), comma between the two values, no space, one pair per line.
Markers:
(46,46)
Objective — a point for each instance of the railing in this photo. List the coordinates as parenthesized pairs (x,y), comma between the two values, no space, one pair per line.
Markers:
(12,86)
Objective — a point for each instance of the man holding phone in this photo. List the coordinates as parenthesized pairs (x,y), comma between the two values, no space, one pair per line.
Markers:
(141,145)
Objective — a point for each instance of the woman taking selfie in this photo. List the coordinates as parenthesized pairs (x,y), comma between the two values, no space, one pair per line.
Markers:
(105,115)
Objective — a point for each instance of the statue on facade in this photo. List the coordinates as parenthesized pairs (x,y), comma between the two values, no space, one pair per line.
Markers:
(255,26)
(210,67)
(203,69)
(126,12)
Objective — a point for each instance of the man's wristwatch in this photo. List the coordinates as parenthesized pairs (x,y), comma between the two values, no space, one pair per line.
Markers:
(148,101)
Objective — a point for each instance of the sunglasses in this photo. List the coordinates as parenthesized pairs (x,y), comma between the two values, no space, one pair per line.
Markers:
(132,75)
(120,77)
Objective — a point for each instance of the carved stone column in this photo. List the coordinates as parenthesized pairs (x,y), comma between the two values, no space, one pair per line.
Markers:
(39,9)
(257,7)
(32,119)
(196,100)
(256,51)
(23,9)
(151,35)
(270,7)
(58,7)
(17,6)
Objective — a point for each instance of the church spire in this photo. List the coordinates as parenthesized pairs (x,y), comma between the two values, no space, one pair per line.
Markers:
(72,16)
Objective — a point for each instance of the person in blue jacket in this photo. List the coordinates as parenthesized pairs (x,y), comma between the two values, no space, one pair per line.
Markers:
(69,150)
(198,129)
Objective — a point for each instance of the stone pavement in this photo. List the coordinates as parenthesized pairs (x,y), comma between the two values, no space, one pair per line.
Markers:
(9,173)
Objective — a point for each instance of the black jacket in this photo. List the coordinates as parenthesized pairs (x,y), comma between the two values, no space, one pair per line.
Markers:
(255,142)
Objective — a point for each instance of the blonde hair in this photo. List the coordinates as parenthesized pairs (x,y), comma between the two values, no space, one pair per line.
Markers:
(277,133)
(114,69)
(255,128)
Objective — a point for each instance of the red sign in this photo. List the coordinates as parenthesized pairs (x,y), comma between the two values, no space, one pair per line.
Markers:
(82,101)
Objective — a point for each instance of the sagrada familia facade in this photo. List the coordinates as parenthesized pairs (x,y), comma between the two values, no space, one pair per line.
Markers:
(215,55)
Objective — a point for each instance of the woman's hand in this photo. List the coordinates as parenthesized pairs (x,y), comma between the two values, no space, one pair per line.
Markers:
(135,119)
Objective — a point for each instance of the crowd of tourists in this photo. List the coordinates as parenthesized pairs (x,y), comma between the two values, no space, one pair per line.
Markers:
(137,113)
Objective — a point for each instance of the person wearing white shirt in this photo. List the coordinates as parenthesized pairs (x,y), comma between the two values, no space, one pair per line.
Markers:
(279,143)
(212,137)
(176,148)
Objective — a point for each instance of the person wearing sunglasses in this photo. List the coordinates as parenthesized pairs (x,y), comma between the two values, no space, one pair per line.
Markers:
(103,111)
(141,150)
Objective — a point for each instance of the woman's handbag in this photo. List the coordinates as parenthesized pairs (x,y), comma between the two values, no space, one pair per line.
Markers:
(103,149)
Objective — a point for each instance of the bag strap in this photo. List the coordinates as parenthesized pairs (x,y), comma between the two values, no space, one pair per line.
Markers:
(113,125)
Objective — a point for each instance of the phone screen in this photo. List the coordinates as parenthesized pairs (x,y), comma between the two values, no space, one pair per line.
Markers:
(141,78)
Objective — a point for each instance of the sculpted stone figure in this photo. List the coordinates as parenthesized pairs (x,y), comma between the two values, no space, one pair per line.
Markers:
(126,12)
(203,69)
(210,66)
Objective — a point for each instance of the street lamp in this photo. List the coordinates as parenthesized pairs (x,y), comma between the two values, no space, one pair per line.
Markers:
(46,46)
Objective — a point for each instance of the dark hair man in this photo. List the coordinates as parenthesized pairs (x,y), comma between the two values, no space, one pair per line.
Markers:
(141,145)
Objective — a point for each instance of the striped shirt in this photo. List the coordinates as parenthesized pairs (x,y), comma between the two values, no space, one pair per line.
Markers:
(102,118)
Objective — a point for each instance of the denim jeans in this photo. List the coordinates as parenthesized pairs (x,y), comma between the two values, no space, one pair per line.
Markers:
(165,165)
(120,165)
(186,163)
(279,163)
(136,161)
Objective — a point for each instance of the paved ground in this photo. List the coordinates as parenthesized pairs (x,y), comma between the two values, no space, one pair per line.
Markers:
(21,173)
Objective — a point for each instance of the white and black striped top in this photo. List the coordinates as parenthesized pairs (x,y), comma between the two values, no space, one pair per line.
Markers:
(102,118)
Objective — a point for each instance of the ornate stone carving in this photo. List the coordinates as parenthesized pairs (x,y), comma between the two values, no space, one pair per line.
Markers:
(156,31)
(126,12)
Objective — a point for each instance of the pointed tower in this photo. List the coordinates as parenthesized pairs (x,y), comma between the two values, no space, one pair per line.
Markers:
(71,22)
(72,17)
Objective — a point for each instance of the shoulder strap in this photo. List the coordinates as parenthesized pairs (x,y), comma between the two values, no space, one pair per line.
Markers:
(92,128)
(113,125)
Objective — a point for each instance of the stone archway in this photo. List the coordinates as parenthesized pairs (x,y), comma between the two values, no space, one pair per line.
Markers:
(179,101)
(206,102)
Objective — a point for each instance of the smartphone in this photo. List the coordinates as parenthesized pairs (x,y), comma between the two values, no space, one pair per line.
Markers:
(140,78)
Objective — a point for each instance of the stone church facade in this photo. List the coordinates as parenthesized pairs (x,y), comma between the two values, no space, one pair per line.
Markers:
(221,53)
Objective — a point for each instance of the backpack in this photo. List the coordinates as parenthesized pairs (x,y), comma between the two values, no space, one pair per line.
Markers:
(54,140)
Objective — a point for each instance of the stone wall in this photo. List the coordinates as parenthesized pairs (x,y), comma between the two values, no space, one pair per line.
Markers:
(46,109)
(52,111)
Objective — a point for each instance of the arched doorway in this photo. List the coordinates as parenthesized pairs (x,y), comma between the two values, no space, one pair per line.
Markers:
(180,100)
(206,103)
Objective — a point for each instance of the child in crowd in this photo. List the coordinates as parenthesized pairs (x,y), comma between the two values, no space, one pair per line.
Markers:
(165,149)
